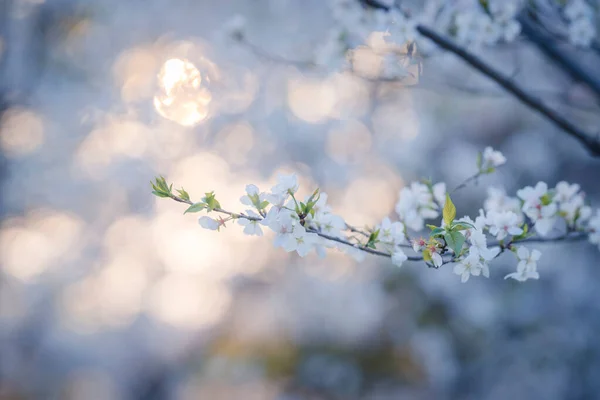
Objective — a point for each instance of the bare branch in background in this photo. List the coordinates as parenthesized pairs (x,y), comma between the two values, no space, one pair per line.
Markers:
(591,142)
(548,46)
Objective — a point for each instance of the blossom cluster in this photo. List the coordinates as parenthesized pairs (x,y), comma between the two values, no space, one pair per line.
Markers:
(378,39)
(580,16)
(504,224)
(389,33)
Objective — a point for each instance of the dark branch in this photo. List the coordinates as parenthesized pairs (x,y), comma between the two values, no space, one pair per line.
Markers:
(548,46)
(591,143)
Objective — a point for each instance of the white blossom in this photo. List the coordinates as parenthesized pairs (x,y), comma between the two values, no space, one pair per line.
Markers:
(251,227)
(503,224)
(468,266)
(491,158)
(577,9)
(398,257)
(581,32)
(498,201)
(479,242)
(594,226)
(286,184)
(209,223)
(301,241)
(283,226)
(527,266)
(253,197)
(418,244)
(418,202)
(538,207)
(391,233)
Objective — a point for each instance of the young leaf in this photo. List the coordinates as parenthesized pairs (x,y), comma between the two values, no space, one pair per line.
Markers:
(183,194)
(462,225)
(449,211)
(195,208)
(211,201)
(159,194)
(455,241)
(436,232)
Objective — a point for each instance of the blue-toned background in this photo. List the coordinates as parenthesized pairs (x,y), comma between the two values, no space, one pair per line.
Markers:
(107,292)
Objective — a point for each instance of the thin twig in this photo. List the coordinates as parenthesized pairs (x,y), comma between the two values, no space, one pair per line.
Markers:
(467,181)
(356,230)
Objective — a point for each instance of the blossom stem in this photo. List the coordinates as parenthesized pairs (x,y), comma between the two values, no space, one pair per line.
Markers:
(467,181)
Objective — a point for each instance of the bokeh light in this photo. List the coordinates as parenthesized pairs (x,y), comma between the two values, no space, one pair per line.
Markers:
(21,132)
(182,98)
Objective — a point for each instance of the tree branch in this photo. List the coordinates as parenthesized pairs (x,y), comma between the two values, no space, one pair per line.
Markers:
(548,47)
(591,143)
(448,258)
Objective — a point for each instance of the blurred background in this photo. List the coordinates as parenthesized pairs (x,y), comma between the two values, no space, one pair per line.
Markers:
(107,292)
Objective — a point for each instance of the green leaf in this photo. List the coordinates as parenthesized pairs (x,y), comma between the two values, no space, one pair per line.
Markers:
(159,194)
(211,201)
(432,227)
(195,208)
(437,232)
(449,211)
(264,204)
(462,225)
(183,194)
(455,241)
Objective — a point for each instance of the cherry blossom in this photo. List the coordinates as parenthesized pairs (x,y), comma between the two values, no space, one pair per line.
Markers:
(503,224)
(304,226)
(492,158)
(209,223)
(300,241)
(251,227)
(468,266)
(527,266)
(398,257)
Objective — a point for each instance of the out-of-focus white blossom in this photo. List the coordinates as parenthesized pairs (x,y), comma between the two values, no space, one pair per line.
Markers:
(581,32)
(391,233)
(491,158)
(503,224)
(594,226)
(576,9)
(398,257)
(498,201)
(527,266)
(286,184)
(418,203)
